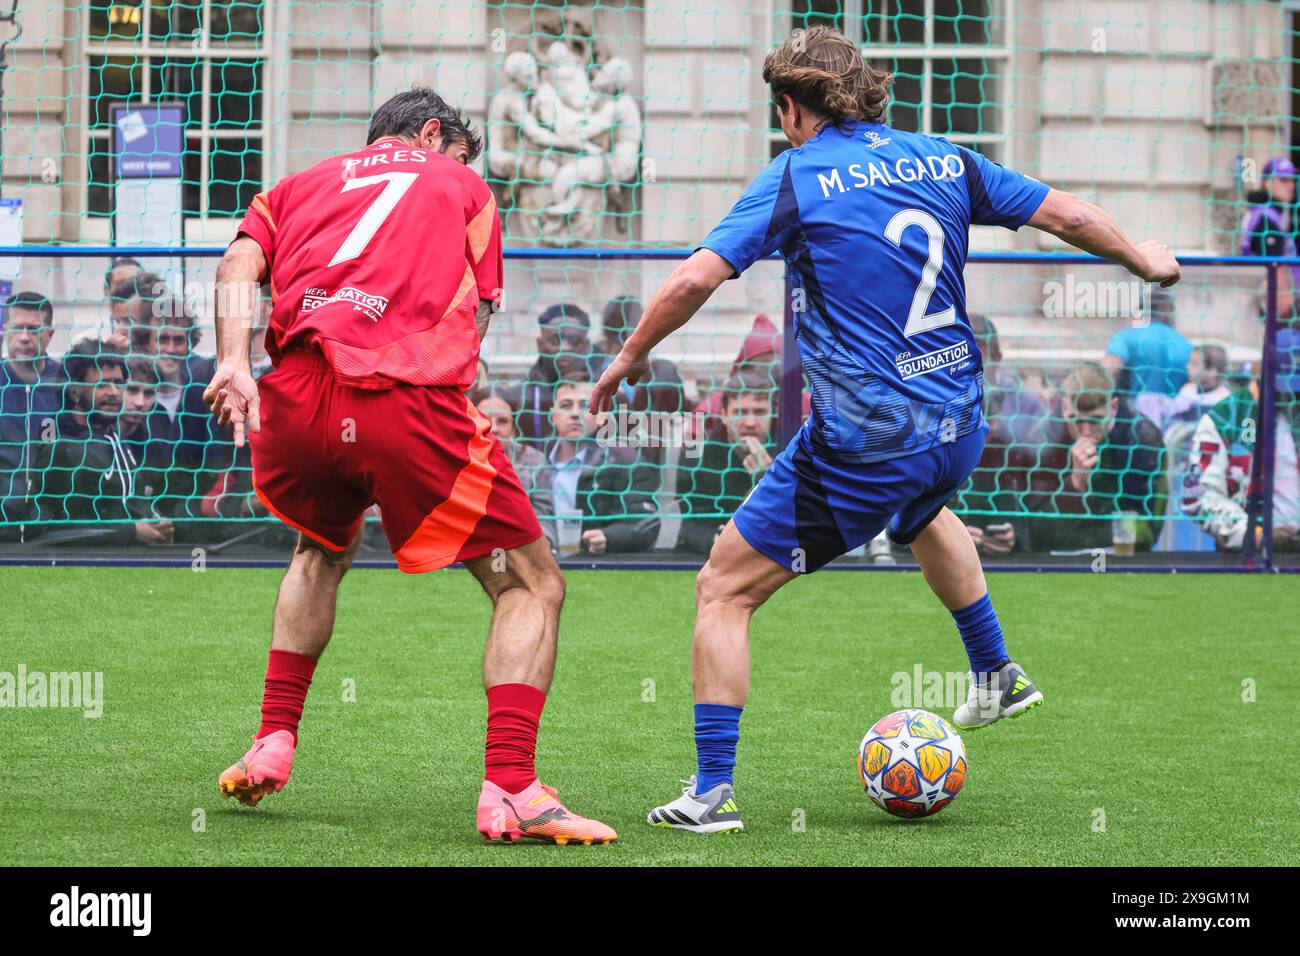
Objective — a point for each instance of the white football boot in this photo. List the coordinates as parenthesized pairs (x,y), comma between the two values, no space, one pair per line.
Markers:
(1007,692)
(712,812)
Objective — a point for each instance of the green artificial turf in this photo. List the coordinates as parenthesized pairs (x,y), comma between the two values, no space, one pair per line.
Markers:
(1144,722)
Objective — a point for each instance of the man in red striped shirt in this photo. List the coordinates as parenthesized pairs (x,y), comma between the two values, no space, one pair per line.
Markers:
(384,264)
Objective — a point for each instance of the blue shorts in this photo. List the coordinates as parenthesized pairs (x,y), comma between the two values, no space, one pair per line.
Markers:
(807,511)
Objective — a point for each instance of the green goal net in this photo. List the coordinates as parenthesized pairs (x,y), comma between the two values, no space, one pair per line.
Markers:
(150,125)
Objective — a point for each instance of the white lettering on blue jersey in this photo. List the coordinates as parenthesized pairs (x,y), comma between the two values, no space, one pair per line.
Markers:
(883,330)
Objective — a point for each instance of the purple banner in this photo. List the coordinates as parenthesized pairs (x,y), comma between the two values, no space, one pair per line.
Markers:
(148,140)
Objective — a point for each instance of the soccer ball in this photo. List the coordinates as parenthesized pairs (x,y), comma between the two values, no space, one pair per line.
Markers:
(912,763)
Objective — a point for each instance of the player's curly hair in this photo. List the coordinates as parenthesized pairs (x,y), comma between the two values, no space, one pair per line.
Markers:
(823,71)
(406,113)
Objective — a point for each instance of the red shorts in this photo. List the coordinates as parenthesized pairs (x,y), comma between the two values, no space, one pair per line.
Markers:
(326,452)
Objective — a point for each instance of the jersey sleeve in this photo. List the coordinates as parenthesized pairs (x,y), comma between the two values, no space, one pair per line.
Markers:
(259,222)
(999,196)
(483,241)
(1119,346)
(760,221)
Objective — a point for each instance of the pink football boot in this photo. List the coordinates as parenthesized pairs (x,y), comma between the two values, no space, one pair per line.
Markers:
(264,769)
(536,813)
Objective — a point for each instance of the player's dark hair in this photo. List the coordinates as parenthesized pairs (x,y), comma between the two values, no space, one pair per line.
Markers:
(93,354)
(406,113)
(823,71)
(34,302)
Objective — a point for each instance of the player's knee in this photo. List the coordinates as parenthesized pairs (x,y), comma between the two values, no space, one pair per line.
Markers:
(535,574)
(713,587)
(716,586)
(317,561)
(550,588)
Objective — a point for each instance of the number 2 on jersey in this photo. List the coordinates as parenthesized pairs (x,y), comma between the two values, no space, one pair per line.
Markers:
(917,320)
(395,186)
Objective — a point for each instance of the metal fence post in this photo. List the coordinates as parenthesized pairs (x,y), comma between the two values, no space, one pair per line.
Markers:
(1266,438)
(790,408)
(1258,554)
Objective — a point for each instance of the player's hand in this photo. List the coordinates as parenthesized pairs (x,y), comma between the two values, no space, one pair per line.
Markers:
(595,541)
(1083,459)
(1161,266)
(232,396)
(154,532)
(758,460)
(623,367)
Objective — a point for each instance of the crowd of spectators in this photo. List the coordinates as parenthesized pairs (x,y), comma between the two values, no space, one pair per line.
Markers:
(112,443)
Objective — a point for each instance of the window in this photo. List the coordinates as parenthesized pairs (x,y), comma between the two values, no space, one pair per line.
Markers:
(950,60)
(208,55)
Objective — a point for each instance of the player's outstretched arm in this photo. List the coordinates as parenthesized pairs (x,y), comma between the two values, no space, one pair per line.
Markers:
(1089,228)
(232,393)
(680,297)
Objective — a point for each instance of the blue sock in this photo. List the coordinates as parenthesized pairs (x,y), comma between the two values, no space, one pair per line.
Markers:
(717,731)
(982,635)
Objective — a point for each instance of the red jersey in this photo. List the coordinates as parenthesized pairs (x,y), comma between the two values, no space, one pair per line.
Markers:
(379,258)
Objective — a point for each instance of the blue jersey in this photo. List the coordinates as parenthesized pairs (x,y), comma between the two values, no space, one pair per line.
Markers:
(873,224)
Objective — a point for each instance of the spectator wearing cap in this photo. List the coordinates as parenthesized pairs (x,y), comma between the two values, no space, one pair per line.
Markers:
(1269,229)
(1217,487)
(31,393)
(86,480)
(1151,357)
(564,353)
(1015,417)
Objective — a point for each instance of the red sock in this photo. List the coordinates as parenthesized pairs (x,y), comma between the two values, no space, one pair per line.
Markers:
(514,711)
(288,676)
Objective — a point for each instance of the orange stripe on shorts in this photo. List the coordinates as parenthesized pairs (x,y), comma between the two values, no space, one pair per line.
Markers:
(443,532)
